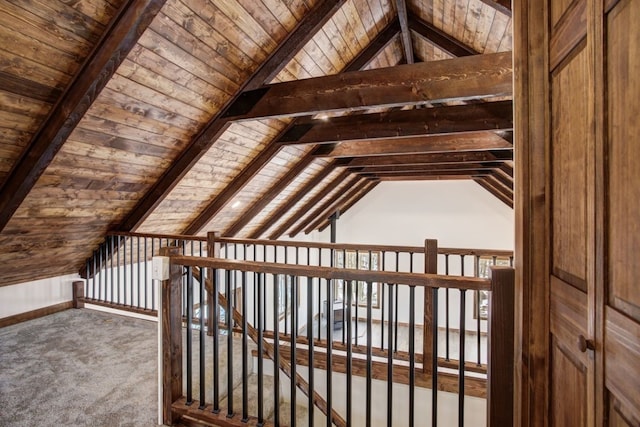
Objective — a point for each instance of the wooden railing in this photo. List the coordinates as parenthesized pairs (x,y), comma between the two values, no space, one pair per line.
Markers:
(315,351)
(119,276)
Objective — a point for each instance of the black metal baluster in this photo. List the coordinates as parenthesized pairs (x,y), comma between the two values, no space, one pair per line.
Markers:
(477,310)
(286,295)
(412,354)
(245,352)
(390,361)
(87,283)
(384,255)
(357,266)
(395,324)
(462,358)
(202,338)
(369,347)
(255,287)
(434,360)
(348,289)
(294,345)
(146,275)
(329,351)
(139,271)
(310,361)
(446,309)
(276,350)
(215,276)
(153,288)
(260,350)
(189,337)
(118,271)
(101,284)
(93,276)
(344,291)
(228,318)
(131,271)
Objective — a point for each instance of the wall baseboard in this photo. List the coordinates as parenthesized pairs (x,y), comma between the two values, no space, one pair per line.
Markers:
(34,314)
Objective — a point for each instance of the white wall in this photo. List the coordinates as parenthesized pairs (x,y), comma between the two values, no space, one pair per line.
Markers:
(457,213)
(24,297)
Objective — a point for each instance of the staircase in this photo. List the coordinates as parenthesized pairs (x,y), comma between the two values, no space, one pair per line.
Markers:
(237,383)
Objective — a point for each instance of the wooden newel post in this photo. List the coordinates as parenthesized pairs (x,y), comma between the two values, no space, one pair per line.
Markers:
(430,267)
(78,294)
(213,251)
(501,352)
(171,311)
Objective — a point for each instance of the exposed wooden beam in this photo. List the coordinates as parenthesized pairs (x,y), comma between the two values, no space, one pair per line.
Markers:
(373,49)
(507,167)
(422,168)
(269,195)
(429,178)
(346,206)
(309,205)
(362,60)
(481,181)
(505,179)
(210,133)
(407,43)
(473,141)
(503,6)
(432,158)
(233,188)
(498,185)
(347,183)
(409,176)
(291,202)
(401,123)
(213,208)
(471,77)
(335,202)
(295,40)
(119,38)
(439,38)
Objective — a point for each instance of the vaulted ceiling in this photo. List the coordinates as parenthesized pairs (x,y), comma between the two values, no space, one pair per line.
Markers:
(255,118)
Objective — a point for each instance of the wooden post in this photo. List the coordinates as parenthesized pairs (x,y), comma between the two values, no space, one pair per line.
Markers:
(501,351)
(171,312)
(430,267)
(78,293)
(213,251)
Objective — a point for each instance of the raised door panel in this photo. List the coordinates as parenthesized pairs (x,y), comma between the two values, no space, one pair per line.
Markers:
(622,313)
(623,59)
(568,408)
(570,147)
(569,366)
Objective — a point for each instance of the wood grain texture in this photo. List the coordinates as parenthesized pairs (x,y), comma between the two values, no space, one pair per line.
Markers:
(461,78)
(472,141)
(624,171)
(402,123)
(570,145)
(35,314)
(121,36)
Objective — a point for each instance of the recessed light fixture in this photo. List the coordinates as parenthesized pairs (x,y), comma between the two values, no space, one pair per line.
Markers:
(236,204)
(324,117)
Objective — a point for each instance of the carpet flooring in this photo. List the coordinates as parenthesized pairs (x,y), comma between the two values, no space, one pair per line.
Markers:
(79,368)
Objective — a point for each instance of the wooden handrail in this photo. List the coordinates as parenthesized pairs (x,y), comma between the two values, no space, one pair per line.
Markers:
(410,279)
(321,245)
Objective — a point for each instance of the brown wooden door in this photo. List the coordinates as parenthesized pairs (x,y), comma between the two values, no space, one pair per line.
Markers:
(578,204)
(571,217)
(621,237)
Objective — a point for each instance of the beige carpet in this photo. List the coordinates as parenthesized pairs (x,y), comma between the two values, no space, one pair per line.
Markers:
(79,368)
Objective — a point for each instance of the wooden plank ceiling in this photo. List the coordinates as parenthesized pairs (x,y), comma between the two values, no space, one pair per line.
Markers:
(153,115)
